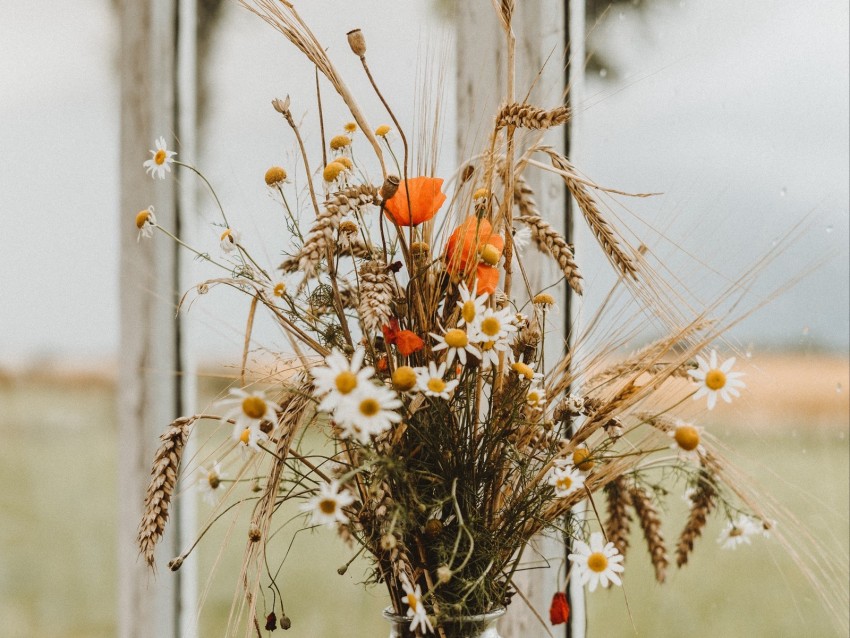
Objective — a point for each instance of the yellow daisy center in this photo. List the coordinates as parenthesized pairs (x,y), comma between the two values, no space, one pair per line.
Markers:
(687,437)
(160,156)
(369,407)
(275,175)
(456,338)
(411,601)
(490,255)
(327,506)
(534,397)
(350,127)
(715,379)
(254,407)
(544,299)
(245,437)
(481,193)
(468,310)
(142,218)
(564,483)
(491,326)
(345,381)
(580,459)
(487,345)
(279,289)
(597,562)
(523,369)
(214,480)
(227,234)
(404,378)
(436,385)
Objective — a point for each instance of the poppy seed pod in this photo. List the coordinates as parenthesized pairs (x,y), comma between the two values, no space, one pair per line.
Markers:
(390,187)
(357,42)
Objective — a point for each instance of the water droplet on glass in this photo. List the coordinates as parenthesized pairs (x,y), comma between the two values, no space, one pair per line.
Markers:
(838,388)
(829,228)
(783,192)
(603,73)
(805,330)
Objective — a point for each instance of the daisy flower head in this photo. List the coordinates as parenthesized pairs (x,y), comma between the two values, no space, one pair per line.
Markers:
(340,377)
(565,480)
(275,176)
(716,379)
(687,439)
(415,609)
(738,532)
(494,325)
(383,130)
(160,161)
(277,291)
(522,238)
(458,344)
(471,307)
(598,562)
(326,506)
(248,410)
(535,398)
(368,410)
(228,240)
(490,351)
(145,222)
(432,383)
(249,438)
(210,482)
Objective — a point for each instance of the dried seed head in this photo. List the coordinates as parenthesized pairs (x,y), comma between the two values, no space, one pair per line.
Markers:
(348,227)
(339,142)
(389,187)
(388,542)
(254,533)
(444,574)
(433,527)
(275,175)
(281,106)
(357,42)
(419,248)
(332,171)
(175,563)
(468,172)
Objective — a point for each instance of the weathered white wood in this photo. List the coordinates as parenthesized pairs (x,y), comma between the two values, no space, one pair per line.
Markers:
(540,28)
(149,374)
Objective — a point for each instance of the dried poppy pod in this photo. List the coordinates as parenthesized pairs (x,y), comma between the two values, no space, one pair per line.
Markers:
(390,187)
(357,42)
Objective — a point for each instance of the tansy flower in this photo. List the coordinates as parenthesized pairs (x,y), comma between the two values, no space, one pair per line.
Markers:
(228,240)
(326,507)
(160,161)
(738,532)
(408,342)
(565,480)
(415,609)
(275,176)
(470,306)
(416,201)
(367,411)
(686,439)
(599,562)
(458,344)
(340,377)
(248,410)
(145,222)
(209,482)
(559,610)
(717,379)
(431,381)
(382,130)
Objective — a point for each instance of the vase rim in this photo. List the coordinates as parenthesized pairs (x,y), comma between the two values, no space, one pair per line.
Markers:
(390,615)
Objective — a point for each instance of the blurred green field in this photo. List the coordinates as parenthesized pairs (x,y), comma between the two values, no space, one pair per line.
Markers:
(58,513)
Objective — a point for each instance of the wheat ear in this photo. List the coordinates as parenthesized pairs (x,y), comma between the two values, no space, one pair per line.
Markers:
(650,523)
(376,295)
(617,524)
(161,488)
(550,241)
(702,504)
(531,117)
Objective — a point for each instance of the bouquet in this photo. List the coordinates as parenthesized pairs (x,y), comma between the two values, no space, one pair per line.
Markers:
(461,423)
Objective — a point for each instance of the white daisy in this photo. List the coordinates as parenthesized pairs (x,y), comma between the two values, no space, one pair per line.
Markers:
(687,439)
(565,479)
(250,439)
(415,609)
(717,379)
(228,240)
(248,410)
(490,351)
(367,411)
(738,532)
(599,563)
(494,325)
(470,307)
(145,222)
(160,161)
(458,343)
(340,377)
(277,291)
(326,506)
(431,381)
(210,482)
(536,397)
(522,238)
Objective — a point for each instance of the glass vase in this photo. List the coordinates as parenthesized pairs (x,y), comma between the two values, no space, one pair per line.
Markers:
(481,626)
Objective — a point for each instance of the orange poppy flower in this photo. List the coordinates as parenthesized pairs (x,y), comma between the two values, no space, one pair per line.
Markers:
(390,331)
(559,612)
(408,342)
(417,200)
(487,278)
(464,242)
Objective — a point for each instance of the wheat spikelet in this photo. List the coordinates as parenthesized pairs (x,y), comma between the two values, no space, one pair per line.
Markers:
(524,197)
(550,241)
(617,524)
(161,488)
(702,504)
(320,239)
(650,523)
(376,295)
(531,117)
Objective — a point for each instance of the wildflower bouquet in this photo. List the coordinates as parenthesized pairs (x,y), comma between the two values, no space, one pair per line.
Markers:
(421,350)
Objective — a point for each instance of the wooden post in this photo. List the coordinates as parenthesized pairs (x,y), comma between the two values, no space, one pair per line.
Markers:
(150,389)
(542,28)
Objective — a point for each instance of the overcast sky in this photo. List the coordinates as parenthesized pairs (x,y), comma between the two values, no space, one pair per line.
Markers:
(738,112)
